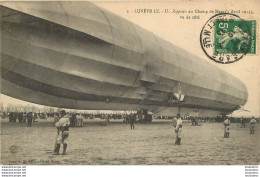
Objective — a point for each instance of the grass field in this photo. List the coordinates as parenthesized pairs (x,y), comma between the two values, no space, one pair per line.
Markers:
(117,144)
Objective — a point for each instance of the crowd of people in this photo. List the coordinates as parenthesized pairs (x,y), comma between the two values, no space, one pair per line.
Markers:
(23,117)
(76,119)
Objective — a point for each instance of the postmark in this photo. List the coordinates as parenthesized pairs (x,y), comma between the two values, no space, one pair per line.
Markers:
(226,38)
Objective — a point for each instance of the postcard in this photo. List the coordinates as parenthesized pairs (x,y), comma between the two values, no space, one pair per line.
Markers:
(130,83)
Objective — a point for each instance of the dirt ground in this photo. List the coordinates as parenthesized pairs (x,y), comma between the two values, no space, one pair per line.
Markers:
(117,144)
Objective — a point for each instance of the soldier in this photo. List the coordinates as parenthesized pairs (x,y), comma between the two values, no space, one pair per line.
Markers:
(63,132)
(24,117)
(20,117)
(106,119)
(10,115)
(178,129)
(132,121)
(252,125)
(73,120)
(15,116)
(29,119)
(243,123)
(226,127)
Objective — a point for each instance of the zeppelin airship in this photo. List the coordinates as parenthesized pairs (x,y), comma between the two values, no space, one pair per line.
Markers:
(77,55)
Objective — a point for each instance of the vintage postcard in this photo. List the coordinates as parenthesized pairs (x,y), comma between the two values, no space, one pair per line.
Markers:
(130,83)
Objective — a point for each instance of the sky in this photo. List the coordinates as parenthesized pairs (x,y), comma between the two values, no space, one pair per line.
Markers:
(185,33)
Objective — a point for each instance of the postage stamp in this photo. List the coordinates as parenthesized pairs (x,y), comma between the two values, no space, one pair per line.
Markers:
(226,38)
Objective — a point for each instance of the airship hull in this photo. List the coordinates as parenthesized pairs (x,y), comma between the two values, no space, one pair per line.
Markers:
(54,55)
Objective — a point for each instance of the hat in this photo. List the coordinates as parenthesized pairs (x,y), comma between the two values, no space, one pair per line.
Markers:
(62,112)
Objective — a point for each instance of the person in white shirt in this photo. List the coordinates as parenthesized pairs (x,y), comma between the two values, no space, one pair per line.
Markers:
(226,127)
(62,126)
(178,129)
(252,125)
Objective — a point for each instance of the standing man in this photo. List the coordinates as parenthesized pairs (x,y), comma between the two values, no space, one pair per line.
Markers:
(132,121)
(226,127)
(178,129)
(63,132)
(252,125)
(10,115)
(20,117)
(243,123)
(24,117)
(29,119)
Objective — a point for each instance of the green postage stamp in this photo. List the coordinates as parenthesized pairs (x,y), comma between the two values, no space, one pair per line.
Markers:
(233,36)
(226,38)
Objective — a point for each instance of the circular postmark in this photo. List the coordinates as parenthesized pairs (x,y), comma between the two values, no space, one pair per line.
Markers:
(225,38)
